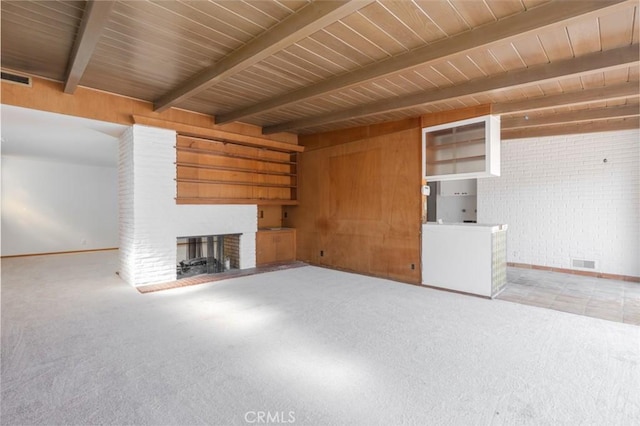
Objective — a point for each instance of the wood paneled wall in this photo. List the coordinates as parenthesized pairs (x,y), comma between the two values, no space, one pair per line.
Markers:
(269,216)
(352,134)
(46,95)
(437,118)
(360,200)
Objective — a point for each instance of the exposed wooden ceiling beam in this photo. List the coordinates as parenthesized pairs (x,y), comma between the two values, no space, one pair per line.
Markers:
(94,19)
(522,23)
(570,129)
(586,64)
(605,93)
(301,24)
(571,117)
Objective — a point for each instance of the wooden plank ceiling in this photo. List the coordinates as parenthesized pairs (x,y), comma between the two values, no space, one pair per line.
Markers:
(307,67)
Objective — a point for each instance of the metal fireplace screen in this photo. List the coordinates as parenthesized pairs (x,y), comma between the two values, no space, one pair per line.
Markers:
(210,254)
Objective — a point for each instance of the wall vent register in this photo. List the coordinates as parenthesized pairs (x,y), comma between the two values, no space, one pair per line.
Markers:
(583,264)
(16,79)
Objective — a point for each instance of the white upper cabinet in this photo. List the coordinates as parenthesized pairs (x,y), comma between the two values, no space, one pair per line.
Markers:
(462,150)
(458,187)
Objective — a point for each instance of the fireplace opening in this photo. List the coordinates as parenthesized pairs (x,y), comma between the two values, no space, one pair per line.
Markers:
(209,254)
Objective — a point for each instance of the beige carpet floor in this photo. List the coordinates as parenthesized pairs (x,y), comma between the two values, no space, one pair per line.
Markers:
(307,346)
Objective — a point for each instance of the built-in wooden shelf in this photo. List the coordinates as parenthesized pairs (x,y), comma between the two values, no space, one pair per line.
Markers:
(212,171)
(232,169)
(226,154)
(235,182)
(212,200)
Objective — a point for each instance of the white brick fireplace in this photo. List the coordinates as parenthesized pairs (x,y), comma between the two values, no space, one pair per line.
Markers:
(150,219)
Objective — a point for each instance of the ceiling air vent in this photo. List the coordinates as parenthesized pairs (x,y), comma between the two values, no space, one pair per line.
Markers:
(583,264)
(16,79)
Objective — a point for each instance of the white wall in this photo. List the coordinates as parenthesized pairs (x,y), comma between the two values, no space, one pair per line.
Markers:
(562,201)
(150,219)
(54,206)
(450,208)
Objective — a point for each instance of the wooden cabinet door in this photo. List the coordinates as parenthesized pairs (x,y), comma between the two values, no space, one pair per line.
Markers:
(285,246)
(265,248)
(275,246)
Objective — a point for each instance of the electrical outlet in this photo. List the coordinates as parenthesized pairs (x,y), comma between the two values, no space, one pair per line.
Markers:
(413,266)
(285,215)
(321,253)
(261,214)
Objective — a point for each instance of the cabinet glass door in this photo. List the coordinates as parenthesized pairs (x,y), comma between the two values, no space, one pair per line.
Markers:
(462,150)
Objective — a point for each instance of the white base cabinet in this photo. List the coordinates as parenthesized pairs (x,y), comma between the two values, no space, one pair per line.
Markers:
(465,257)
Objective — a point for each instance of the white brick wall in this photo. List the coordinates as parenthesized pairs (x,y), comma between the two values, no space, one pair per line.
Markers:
(562,201)
(150,218)
(125,204)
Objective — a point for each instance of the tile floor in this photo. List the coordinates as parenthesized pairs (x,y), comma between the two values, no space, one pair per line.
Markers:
(595,297)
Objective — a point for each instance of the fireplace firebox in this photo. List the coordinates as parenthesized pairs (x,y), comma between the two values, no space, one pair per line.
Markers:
(208,254)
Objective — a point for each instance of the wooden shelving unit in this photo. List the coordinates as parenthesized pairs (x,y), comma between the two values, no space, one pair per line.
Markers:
(233,182)
(231,155)
(202,200)
(231,169)
(210,171)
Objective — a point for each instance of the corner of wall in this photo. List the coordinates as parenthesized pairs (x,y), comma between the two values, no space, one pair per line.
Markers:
(562,201)
(151,221)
